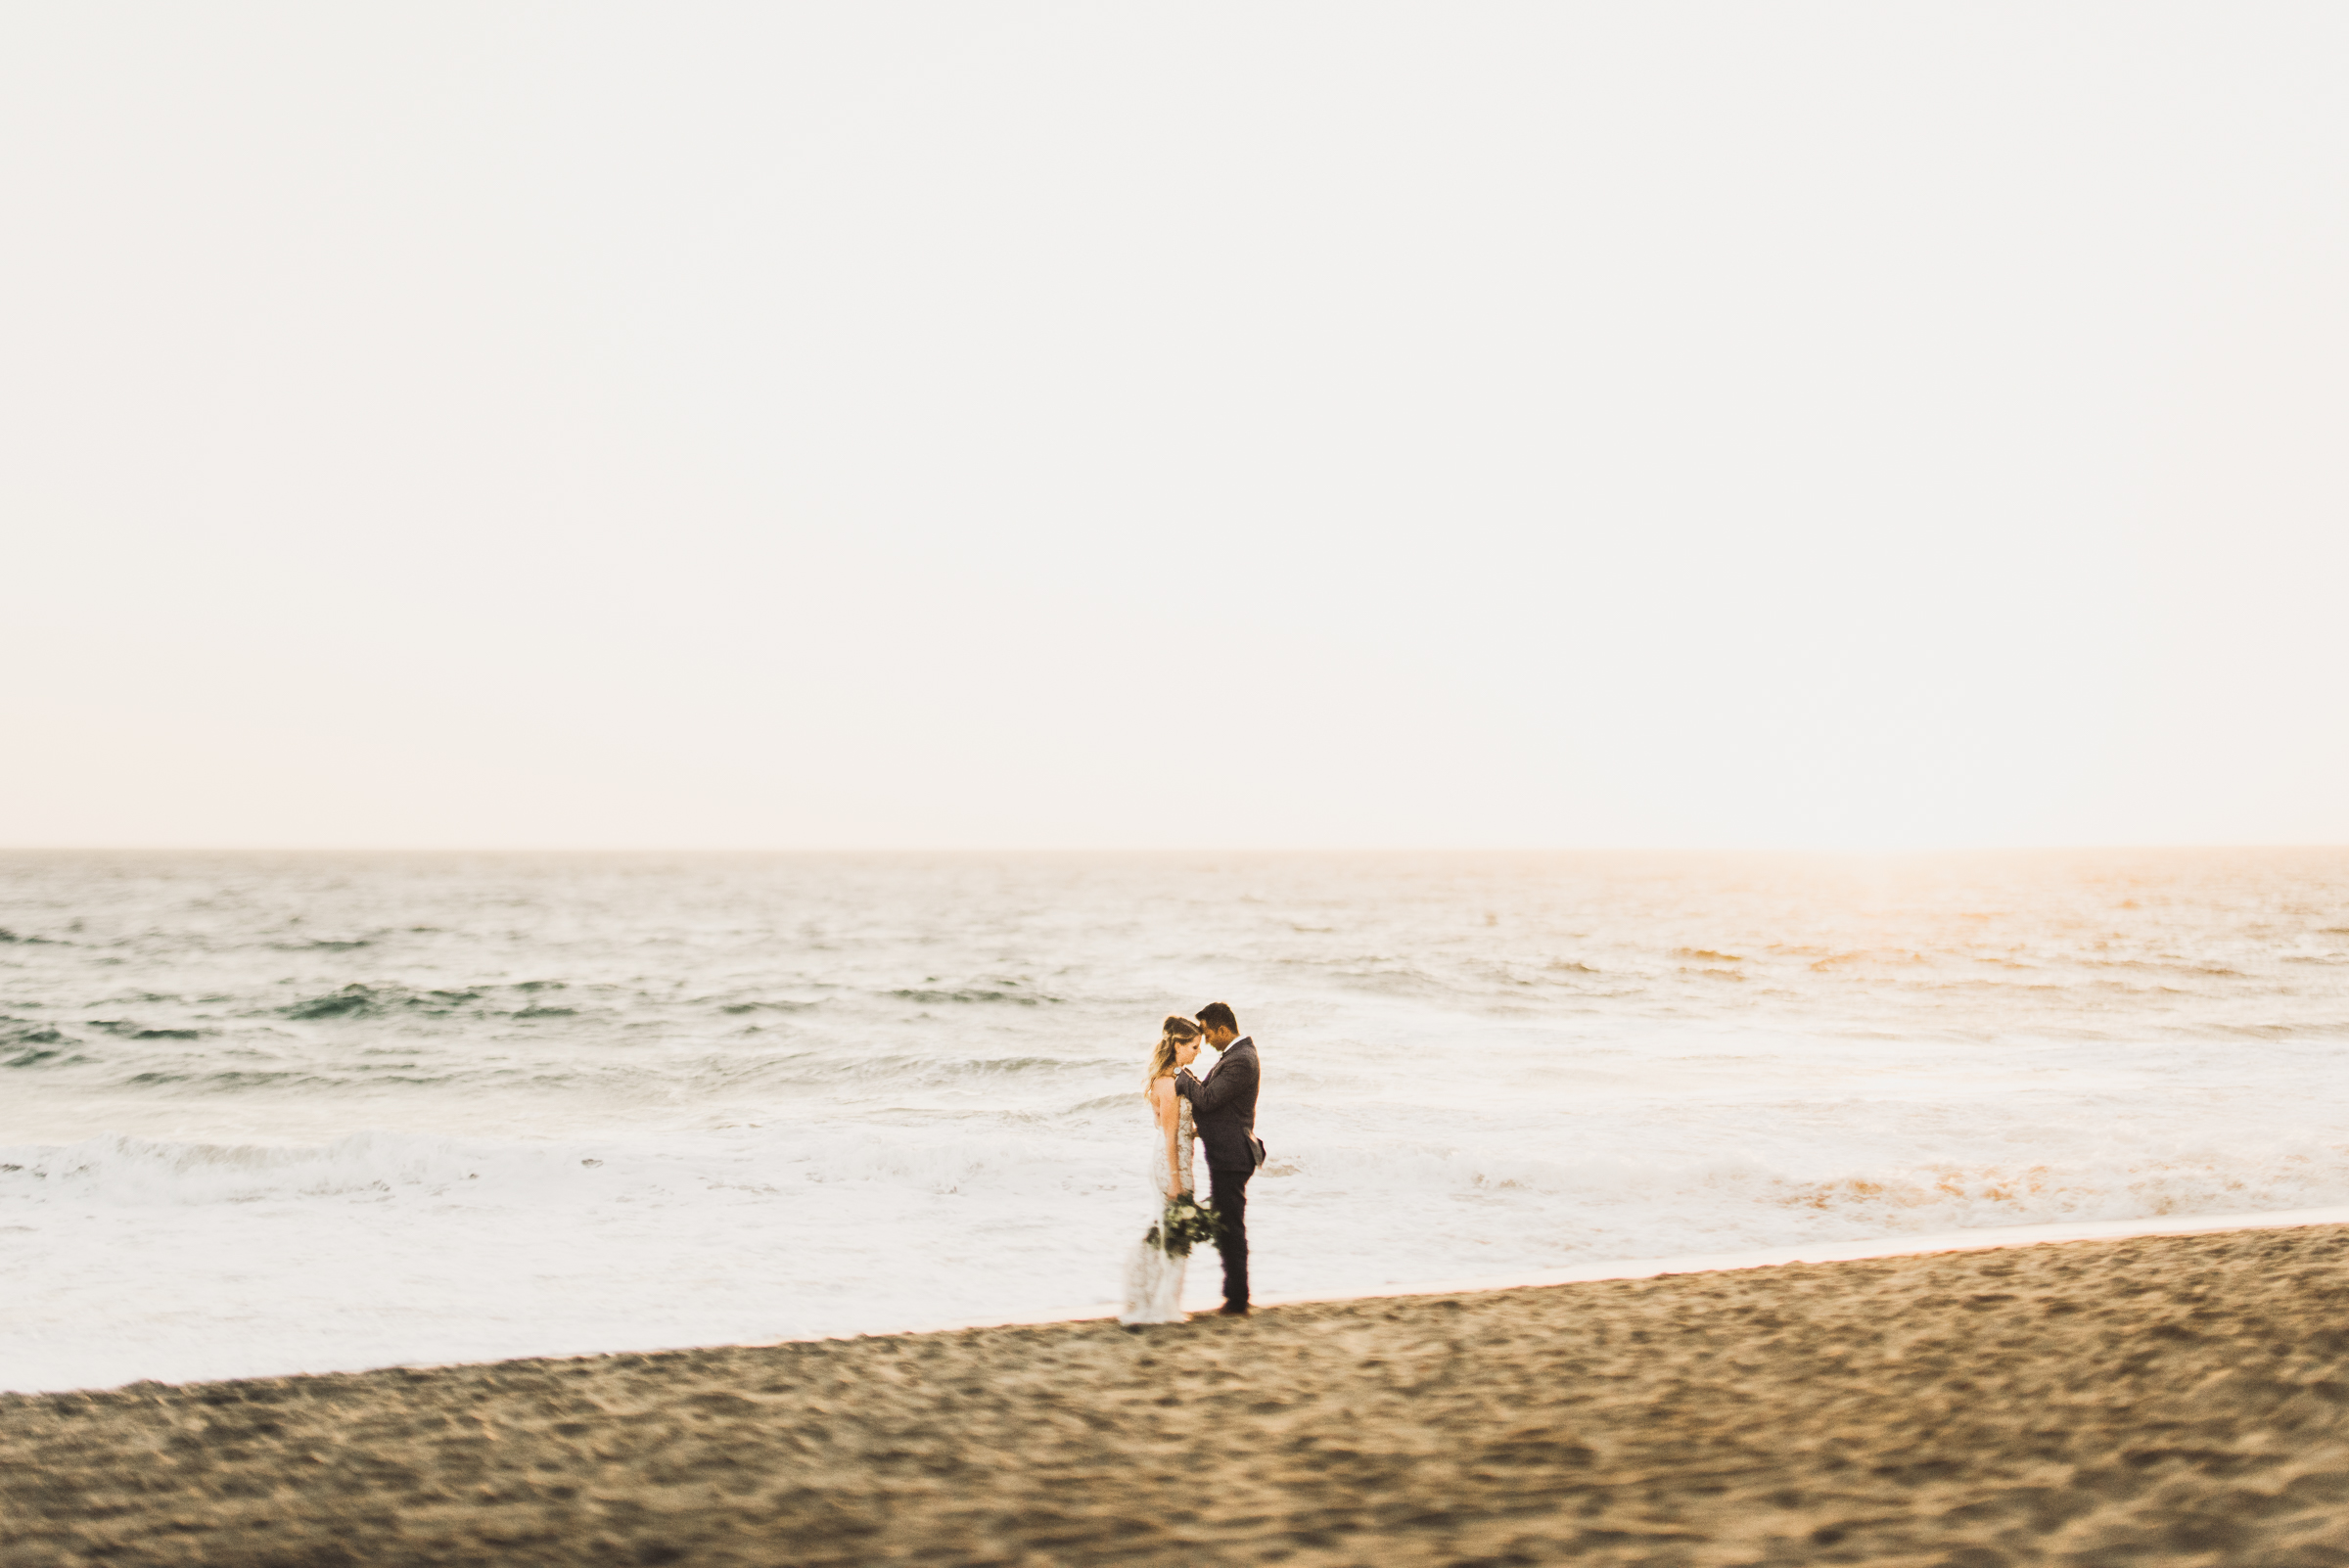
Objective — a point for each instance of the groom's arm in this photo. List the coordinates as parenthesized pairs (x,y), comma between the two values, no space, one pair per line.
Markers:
(1219,1090)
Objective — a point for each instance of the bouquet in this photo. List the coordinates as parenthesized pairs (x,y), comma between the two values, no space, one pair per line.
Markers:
(1182,1226)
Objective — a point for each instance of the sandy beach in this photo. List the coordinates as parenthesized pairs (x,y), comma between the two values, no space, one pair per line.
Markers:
(2173,1399)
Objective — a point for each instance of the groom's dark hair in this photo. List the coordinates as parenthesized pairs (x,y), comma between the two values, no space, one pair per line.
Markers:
(1217,1015)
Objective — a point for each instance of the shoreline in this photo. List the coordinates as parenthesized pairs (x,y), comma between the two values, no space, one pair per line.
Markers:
(2173,1396)
(1988,1239)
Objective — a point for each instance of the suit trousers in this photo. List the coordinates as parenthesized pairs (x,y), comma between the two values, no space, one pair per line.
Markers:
(1228,1194)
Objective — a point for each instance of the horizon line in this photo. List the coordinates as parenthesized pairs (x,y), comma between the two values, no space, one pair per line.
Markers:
(1849,850)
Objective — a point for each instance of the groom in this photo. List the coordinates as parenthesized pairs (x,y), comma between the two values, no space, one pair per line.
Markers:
(1224,1109)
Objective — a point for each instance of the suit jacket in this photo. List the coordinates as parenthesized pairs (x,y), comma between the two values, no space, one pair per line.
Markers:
(1224,1108)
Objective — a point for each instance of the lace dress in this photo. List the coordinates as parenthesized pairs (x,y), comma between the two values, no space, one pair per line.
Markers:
(1154,1280)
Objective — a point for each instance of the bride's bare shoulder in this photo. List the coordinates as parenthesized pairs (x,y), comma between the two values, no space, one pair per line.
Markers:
(1161,1092)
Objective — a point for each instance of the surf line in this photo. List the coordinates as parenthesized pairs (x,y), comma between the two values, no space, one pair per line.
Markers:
(1709,1263)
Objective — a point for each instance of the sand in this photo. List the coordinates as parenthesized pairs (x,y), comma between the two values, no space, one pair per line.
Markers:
(2170,1400)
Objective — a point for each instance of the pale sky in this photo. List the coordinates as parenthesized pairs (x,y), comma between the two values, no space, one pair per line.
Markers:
(1116,425)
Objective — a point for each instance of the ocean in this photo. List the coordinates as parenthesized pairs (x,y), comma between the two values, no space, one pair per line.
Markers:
(274,1113)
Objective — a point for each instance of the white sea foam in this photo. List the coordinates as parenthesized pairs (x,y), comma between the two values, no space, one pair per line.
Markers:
(270,1115)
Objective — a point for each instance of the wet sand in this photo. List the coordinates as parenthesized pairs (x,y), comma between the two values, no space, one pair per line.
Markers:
(2162,1399)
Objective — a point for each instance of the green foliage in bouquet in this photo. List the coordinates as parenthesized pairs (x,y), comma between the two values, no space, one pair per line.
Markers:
(1184,1225)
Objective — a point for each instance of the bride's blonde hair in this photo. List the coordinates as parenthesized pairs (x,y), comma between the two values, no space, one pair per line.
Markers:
(1174,1033)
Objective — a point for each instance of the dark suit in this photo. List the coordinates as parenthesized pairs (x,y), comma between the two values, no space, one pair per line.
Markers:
(1224,1109)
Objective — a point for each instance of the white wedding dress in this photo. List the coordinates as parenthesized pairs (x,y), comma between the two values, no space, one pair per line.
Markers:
(1154,1280)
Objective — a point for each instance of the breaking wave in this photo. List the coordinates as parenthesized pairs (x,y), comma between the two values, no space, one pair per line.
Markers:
(447,1108)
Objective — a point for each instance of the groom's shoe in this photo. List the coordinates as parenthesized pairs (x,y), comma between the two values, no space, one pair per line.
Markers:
(1232,1308)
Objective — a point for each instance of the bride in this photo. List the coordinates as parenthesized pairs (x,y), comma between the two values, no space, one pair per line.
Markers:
(1153,1278)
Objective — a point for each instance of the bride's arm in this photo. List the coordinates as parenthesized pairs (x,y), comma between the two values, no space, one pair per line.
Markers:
(1162,1095)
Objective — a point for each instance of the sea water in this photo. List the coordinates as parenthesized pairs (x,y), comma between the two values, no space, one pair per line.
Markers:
(263,1114)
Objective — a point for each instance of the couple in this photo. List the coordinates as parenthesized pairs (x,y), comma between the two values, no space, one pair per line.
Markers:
(1219,1111)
